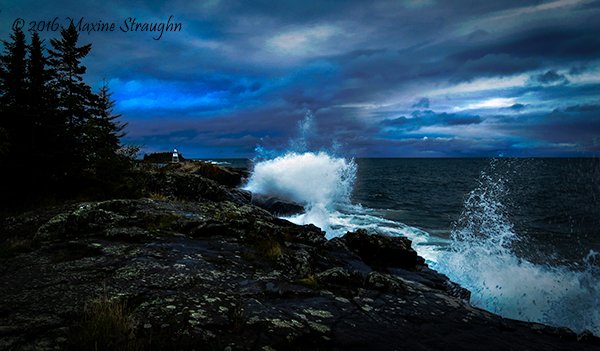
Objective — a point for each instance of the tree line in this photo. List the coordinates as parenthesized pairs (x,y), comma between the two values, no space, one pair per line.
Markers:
(57,135)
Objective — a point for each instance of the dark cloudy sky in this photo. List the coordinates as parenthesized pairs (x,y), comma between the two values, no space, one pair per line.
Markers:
(426,78)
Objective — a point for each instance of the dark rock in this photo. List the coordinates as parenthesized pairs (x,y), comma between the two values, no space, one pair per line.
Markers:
(223,175)
(230,177)
(383,251)
(434,280)
(386,282)
(186,186)
(344,257)
(276,206)
(192,276)
(341,281)
(335,275)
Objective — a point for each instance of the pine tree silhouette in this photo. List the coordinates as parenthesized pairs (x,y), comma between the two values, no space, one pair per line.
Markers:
(75,99)
(105,132)
(56,136)
(48,126)
(13,73)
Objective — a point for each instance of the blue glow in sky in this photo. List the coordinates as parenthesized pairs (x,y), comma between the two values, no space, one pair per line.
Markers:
(418,78)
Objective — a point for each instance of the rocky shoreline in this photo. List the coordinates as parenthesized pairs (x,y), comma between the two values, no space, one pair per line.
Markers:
(195,264)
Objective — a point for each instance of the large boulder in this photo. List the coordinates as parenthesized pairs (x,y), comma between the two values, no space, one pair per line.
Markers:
(383,251)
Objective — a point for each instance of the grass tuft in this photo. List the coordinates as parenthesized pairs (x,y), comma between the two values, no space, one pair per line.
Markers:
(269,248)
(158,197)
(105,325)
(309,281)
(237,317)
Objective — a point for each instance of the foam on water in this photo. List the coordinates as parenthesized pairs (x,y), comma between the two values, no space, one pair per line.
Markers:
(318,181)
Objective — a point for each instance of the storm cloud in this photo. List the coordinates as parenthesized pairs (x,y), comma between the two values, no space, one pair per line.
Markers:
(383,78)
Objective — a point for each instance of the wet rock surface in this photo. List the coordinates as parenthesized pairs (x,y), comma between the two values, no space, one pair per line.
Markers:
(221,274)
(276,206)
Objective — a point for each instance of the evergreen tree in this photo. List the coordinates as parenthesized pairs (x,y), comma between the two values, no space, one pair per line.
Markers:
(14,71)
(55,133)
(105,130)
(48,125)
(75,97)
(39,75)
(15,126)
(13,92)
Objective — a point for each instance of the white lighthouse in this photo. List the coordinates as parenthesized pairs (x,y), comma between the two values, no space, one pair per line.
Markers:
(175,158)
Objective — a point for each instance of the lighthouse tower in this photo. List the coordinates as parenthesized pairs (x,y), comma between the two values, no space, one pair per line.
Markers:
(175,158)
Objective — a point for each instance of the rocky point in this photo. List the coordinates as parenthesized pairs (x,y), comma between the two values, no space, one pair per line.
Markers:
(196,265)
